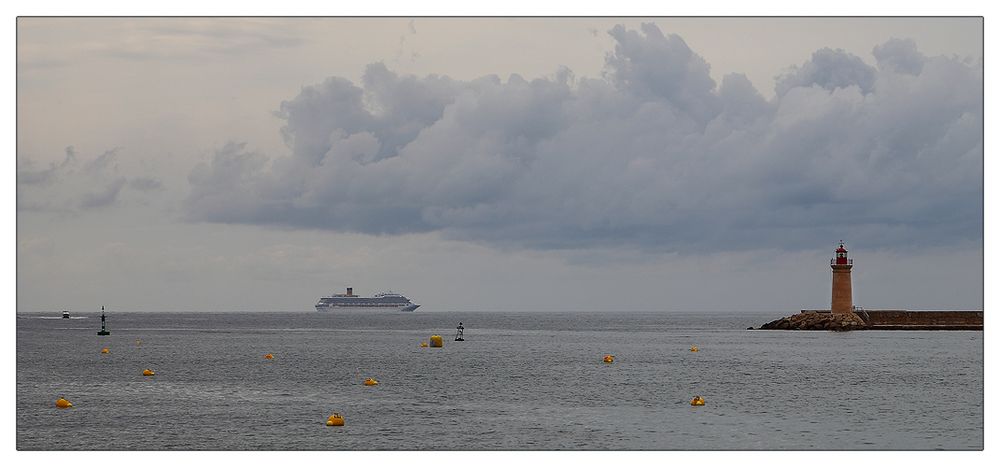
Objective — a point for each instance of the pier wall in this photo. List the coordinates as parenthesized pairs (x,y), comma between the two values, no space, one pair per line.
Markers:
(903,319)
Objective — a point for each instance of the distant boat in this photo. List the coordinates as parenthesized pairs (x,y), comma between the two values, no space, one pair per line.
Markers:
(65,314)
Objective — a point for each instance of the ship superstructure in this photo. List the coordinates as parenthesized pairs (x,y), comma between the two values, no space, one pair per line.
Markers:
(387,301)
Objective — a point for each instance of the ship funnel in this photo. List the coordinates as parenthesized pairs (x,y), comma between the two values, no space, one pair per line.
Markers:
(350,291)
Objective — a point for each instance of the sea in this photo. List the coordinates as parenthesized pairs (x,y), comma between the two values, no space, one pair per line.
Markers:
(519,381)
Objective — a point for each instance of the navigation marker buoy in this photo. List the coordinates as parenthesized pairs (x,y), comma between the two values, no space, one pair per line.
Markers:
(104,330)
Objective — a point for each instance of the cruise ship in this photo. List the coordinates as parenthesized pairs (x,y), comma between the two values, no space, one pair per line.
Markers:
(387,301)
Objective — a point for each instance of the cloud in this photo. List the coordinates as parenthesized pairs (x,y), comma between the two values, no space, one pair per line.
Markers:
(653,66)
(411,30)
(27,176)
(104,196)
(899,55)
(224,188)
(829,69)
(655,155)
(150,39)
(145,183)
(107,161)
(75,184)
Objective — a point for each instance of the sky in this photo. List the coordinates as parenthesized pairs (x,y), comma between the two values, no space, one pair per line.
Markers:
(489,164)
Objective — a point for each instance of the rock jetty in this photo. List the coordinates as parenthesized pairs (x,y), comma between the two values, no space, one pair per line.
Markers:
(880,320)
(816,321)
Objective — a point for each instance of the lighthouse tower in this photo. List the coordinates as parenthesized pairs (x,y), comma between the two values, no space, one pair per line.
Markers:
(841,265)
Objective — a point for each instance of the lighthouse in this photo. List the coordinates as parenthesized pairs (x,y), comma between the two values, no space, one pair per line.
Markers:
(841,301)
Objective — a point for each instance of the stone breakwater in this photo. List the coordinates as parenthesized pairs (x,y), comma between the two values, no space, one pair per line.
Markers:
(885,320)
(816,321)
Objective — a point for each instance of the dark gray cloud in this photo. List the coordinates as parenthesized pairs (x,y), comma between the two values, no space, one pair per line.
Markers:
(637,66)
(227,186)
(899,55)
(655,155)
(75,183)
(107,161)
(391,108)
(829,69)
(104,196)
(145,184)
(28,175)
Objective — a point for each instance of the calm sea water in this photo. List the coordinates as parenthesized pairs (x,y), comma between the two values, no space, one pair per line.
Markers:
(519,381)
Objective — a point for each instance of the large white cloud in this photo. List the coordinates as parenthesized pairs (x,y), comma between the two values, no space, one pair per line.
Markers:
(654,155)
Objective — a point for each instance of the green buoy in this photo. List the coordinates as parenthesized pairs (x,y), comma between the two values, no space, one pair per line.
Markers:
(104,331)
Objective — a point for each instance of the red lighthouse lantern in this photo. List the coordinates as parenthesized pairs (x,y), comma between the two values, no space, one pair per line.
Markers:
(841,254)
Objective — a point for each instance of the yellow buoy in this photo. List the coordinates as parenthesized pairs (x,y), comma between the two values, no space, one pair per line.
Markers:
(436,341)
(147,372)
(335,420)
(138,342)
(268,356)
(694,348)
(423,344)
(105,350)
(698,400)
(371,382)
(609,358)
(63,403)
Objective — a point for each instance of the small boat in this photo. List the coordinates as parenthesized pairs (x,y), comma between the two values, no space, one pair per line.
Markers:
(65,314)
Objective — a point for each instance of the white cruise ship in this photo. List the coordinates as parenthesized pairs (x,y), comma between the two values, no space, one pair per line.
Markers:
(387,301)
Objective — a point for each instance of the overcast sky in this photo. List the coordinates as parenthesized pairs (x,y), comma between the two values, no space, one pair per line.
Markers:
(498,164)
